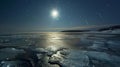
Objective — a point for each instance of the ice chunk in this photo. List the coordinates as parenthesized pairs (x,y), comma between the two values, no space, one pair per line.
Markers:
(99,45)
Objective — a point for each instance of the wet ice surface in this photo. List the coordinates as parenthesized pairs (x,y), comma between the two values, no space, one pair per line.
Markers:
(69,49)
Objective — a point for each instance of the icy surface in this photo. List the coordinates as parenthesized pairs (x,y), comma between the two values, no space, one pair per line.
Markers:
(66,49)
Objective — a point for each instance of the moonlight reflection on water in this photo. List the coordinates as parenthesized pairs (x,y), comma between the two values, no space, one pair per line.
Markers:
(55,41)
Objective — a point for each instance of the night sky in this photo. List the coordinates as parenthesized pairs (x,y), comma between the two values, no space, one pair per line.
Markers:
(36,14)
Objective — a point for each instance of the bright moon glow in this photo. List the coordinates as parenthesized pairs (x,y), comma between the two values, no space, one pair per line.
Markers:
(54,13)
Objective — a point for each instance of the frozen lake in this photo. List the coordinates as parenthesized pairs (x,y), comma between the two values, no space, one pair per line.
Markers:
(69,49)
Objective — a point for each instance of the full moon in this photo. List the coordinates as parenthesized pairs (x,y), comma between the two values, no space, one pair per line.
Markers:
(54,13)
